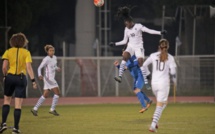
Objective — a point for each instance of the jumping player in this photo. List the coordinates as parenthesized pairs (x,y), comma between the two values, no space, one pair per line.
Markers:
(132,35)
(163,64)
(132,66)
(50,84)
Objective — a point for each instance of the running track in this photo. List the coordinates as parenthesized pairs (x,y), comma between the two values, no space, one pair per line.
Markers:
(113,100)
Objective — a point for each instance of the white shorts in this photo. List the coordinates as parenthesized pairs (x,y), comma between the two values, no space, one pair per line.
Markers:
(49,83)
(161,92)
(138,52)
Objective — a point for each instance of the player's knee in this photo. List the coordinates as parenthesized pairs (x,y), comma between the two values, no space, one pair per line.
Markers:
(140,62)
(126,56)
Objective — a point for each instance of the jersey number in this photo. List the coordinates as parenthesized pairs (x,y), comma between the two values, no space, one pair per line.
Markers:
(160,65)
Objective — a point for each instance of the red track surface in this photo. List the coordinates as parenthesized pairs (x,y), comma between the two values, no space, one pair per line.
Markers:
(113,100)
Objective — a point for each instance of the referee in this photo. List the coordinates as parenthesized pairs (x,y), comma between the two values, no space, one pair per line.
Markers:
(15,62)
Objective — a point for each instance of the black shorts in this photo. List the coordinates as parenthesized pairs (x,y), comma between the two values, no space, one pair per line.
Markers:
(17,84)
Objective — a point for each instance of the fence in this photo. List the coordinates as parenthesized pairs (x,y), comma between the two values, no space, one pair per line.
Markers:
(92,76)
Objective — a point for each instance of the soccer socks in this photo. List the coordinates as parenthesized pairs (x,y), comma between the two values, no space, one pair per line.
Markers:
(156,116)
(141,99)
(122,67)
(39,103)
(145,97)
(17,115)
(54,102)
(5,112)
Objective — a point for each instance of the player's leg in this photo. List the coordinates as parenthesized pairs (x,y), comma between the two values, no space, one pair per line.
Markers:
(139,53)
(126,55)
(55,101)
(146,98)
(8,92)
(17,114)
(162,96)
(138,85)
(43,97)
(141,99)
(20,93)
(5,112)
(40,102)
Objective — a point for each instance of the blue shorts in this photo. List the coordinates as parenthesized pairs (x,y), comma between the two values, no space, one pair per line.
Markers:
(17,84)
(138,82)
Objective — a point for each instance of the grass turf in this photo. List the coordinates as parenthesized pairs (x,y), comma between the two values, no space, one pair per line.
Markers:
(117,119)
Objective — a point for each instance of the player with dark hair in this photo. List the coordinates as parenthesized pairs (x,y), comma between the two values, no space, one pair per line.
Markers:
(163,64)
(15,62)
(132,35)
(138,83)
(50,84)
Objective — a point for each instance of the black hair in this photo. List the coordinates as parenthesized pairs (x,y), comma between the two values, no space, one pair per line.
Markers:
(124,13)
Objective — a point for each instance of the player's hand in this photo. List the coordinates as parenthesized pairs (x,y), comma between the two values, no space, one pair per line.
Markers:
(41,77)
(164,32)
(116,63)
(174,80)
(58,69)
(148,77)
(112,44)
(34,84)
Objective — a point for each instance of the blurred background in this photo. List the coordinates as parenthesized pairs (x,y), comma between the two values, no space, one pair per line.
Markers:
(80,33)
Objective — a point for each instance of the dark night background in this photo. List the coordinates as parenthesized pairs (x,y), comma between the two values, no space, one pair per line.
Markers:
(45,21)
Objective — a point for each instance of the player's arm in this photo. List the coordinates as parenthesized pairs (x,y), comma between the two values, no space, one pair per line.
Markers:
(146,64)
(30,71)
(42,64)
(116,64)
(5,63)
(5,67)
(56,67)
(172,68)
(150,31)
(124,41)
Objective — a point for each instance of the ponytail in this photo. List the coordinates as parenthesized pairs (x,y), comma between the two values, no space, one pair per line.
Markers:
(124,13)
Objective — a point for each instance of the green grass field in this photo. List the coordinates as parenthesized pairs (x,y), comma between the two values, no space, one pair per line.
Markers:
(117,119)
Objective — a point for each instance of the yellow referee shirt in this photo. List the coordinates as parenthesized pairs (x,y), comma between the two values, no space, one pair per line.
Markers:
(17,58)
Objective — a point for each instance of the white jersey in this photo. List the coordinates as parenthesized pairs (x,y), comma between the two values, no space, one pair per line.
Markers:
(161,70)
(134,37)
(50,66)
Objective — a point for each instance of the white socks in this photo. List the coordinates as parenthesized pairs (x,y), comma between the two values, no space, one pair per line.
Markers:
(39,102)
(54,102)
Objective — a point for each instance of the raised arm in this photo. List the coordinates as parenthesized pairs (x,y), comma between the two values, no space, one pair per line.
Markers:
(150,31)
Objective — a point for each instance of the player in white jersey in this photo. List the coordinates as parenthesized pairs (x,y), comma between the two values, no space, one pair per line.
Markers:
(49,64)
(133,37)
(163,65)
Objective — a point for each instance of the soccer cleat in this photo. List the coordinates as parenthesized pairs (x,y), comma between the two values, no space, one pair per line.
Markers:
(34,112)
(118,79)
(143,110)
(54,112)
(16,131)
(149,104)
(3,127)
(151,129)
(148,87)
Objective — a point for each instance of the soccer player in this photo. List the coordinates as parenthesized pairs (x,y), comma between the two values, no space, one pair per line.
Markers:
(132,66)
(15,62)
(49,63)
(163,64)
(132,35)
